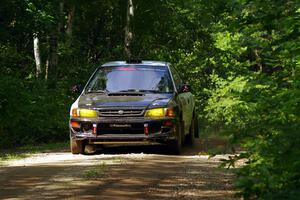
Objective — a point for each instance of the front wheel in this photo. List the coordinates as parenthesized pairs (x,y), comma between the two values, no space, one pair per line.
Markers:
(174,146)
(90,149)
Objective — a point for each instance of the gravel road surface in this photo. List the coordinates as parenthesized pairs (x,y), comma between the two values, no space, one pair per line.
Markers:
(139,172)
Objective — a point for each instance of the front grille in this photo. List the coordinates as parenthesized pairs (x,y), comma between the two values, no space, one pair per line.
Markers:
(121,112)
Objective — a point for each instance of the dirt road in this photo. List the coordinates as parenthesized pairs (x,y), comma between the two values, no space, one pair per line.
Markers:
(117,173)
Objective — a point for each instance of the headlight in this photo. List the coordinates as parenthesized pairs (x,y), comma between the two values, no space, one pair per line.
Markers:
(160,112)
(82,112)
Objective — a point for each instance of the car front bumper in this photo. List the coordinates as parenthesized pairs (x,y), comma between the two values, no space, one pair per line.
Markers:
(129,130)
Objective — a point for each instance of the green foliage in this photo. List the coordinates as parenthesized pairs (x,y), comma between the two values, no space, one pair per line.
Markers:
(256,100)
(31,113)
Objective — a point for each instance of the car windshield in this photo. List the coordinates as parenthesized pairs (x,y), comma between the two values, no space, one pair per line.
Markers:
(131,79)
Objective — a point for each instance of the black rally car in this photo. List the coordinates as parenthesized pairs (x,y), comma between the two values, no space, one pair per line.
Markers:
(141,102)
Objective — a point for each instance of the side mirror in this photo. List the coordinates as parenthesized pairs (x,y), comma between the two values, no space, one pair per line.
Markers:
(77,89)
(184,88)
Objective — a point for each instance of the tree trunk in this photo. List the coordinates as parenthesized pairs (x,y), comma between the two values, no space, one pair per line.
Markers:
(53,58)
(46,69)
(51,66)
(128,30)
(37,57)
(69,29)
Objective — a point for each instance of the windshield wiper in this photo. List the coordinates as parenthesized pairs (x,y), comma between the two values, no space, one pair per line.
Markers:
(150,91)
(129,90)
(139,91)
(97,91)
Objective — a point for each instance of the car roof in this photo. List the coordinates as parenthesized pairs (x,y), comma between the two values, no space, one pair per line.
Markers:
(143,63)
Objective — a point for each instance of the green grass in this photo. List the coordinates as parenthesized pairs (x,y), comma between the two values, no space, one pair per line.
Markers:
(26,151)
(97,171)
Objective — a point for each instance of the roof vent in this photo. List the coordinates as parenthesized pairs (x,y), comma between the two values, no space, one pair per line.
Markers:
(134,61)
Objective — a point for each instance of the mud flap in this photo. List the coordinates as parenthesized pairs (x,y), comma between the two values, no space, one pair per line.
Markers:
(77,146)
(175,146)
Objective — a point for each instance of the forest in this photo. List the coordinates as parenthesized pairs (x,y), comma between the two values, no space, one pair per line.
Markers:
(241,57)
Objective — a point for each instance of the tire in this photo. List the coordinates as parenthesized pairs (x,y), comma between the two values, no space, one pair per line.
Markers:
(76,146)
(190,138)
(175,146)
(90,149)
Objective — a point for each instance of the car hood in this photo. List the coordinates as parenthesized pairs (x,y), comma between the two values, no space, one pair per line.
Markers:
(94,100)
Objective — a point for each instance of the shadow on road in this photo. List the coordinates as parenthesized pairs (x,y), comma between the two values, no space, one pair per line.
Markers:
(203,146)
(131,172)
